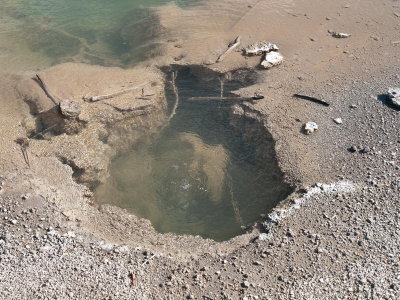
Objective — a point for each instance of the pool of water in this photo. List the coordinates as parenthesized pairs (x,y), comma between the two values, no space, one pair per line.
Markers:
(40,33)
(198,176)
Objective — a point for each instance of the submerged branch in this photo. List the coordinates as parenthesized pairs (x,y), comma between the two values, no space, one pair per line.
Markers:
(175,89)
(109,96)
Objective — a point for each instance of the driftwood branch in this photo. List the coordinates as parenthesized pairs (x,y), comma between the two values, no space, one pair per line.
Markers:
(312,99)
(109,96)
(46,90)
(230,49)
(226,98)
(176,93)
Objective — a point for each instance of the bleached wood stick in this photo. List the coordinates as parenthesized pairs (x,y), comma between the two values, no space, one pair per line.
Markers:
(230,49)
(103,97)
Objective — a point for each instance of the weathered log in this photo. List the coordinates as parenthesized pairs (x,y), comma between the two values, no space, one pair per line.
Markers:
(312,99)
(109,96)
(226,98)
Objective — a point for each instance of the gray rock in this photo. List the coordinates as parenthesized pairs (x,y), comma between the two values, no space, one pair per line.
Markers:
(338,121)
(70,109)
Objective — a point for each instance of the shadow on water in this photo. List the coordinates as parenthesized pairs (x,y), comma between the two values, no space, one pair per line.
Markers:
(200,175)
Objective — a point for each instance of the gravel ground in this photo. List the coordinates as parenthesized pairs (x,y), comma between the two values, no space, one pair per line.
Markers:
(337,237)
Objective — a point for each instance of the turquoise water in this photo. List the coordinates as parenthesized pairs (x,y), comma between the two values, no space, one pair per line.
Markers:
(39,33)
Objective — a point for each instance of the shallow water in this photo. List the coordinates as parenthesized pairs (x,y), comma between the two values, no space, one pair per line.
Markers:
(40,33)
(199,176)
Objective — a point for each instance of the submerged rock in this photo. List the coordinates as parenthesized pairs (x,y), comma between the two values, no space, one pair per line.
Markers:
(394,96)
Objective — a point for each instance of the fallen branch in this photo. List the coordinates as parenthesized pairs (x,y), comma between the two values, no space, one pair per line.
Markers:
(176,92)
(24,144)
(104,97)
(312,99)
(230,49)
(46,90)
(141,108)
(227,98)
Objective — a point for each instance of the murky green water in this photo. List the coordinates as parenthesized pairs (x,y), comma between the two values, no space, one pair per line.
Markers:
(199,176)
(40,33)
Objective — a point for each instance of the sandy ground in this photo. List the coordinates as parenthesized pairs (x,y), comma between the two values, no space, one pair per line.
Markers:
(335,240)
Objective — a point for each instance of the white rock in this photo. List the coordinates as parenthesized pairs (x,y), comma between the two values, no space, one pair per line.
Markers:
(338,121)
(45,248)
(310,127)
(106,246)
(340,35)
(272,59)
(260,48)
(70,234)
(263,236)
(394,96)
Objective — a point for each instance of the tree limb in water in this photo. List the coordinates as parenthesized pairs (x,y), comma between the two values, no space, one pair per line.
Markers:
(104,97)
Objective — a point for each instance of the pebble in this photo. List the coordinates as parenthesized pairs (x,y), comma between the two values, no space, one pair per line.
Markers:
(338,121)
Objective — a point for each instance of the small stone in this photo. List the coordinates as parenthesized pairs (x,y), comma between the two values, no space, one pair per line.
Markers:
(394,96)
(263,237)
(69,108)
(365,150)
(338,121)
(14,222)
(353,149)
(245,284)
(310,127)
(70,234)
(272,59)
